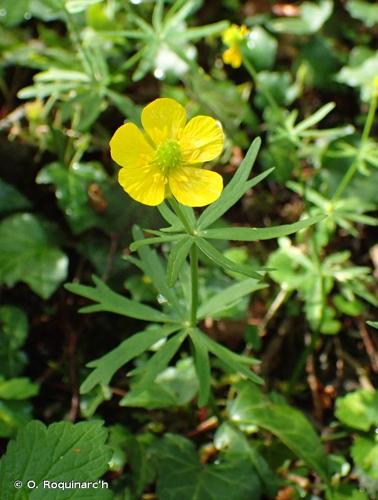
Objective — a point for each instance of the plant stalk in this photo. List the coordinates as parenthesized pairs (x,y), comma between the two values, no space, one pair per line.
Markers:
(194,285)
(349,174)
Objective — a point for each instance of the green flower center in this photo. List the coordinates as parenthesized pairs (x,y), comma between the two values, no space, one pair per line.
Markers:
(168,156)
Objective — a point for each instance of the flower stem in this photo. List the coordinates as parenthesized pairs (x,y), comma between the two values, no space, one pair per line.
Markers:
(349,174)
(267,94)
(193,261)
(180,214)
(194,283)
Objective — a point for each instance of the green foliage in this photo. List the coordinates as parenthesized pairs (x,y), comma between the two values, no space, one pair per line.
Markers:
(358,409)
(52,454)
(186,308)
(180,473)
(13,332)
(11,200)
(29,254)
(288,424)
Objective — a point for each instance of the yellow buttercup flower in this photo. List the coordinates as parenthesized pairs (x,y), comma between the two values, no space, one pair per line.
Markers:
(166,157)
(233,37)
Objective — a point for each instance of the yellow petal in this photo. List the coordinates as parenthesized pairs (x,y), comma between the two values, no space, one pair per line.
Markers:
(163,119)
(201,140)
(232,56)
(128,146)
(145,183)
(195,187)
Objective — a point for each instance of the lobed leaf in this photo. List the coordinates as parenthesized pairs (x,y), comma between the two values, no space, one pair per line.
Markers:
(106,366)
(113,302)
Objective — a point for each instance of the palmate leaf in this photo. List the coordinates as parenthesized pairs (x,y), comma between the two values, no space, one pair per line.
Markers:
(251,406)
(234,189)
(109,301)
(61,452)
(180,474)
(229,438)
(236,362)
(157,363)
(106,366)
(257,234)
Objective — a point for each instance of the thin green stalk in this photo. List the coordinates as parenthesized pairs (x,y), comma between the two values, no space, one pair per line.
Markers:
(193,261)
(349,174)
(251,70)
(194,283)
(177,209)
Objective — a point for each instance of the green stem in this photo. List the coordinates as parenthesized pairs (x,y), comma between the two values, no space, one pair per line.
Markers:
(194,282)
(349,174)
(193,261)
(180,214)
(267,94)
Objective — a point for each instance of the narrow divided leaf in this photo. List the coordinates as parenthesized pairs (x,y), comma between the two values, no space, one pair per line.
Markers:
(157,363)
(257,234)
(113,302)
(229,297)
(152,241)
(234,361)
(155,270)
(213,254)
(202,366)
(234,189)
(176,259)
(106,366)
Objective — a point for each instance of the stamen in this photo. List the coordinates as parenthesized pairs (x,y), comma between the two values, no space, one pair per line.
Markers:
(168,156)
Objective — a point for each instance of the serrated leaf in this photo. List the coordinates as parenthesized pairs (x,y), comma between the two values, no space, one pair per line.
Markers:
(29,254)
(106,366)
(110,301)
(257,234)
(180,475)
(234,189)
(230,439)
(61,452)
(251,406)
